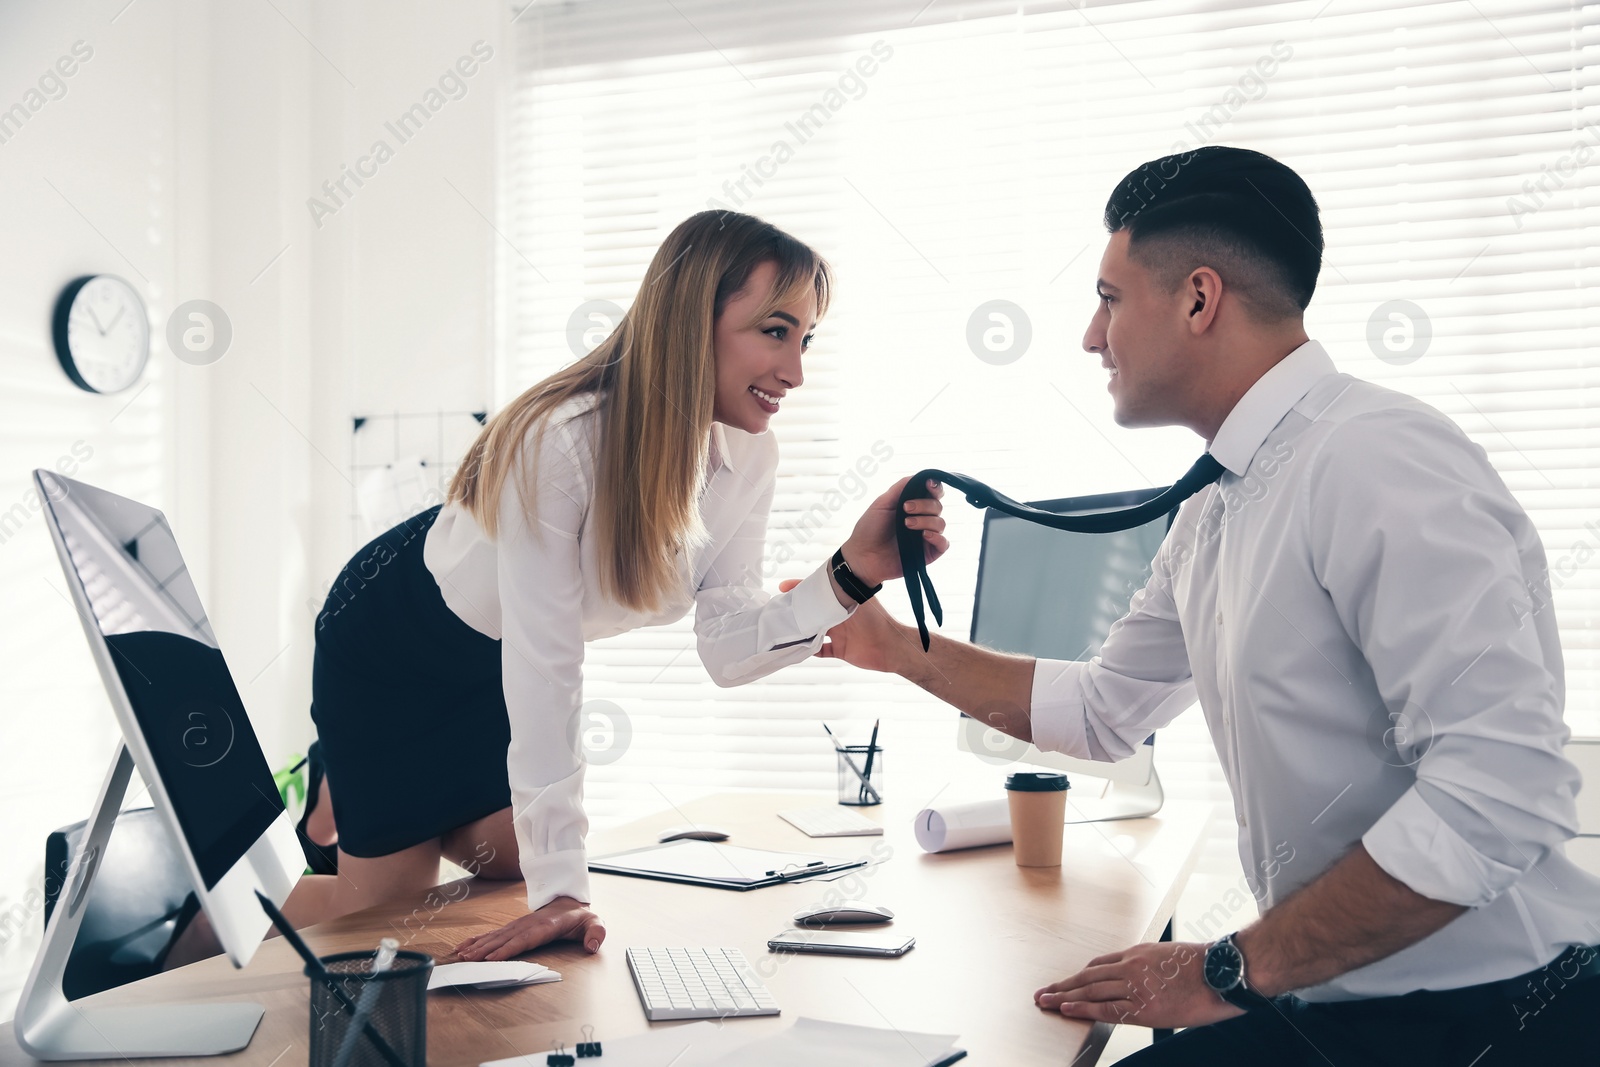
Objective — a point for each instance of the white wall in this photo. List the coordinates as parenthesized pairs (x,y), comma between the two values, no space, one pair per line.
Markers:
(181,156)
(89,180)
(381,302)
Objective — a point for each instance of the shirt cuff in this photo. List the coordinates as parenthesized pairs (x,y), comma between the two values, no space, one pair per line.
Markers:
(556,874)
(816,609)
(1415,846)
(1056,707)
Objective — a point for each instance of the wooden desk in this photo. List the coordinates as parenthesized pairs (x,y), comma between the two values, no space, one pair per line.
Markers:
(988,934)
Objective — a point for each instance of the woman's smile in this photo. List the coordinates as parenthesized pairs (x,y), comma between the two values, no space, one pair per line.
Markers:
(767,401)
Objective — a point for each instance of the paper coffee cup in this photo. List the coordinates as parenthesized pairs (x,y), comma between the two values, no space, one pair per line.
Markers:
(1038,801)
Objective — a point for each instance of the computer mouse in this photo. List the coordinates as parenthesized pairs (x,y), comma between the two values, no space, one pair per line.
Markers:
(693,832)
(851,911)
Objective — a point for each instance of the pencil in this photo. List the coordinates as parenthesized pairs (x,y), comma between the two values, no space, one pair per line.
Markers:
(872,748)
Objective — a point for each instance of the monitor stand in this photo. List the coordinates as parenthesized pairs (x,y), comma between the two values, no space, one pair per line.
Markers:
(1121,800)
(50,1027)
(1100,792)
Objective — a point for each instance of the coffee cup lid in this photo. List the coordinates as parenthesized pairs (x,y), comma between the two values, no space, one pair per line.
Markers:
(1036,781)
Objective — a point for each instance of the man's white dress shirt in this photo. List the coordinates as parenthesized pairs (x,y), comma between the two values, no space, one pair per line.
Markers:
(538,592)
(1351,604)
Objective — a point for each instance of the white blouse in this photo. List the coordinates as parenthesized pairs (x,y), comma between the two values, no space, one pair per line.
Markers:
(538,592)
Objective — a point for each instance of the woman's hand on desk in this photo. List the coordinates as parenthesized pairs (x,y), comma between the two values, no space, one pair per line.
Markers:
(1158,985)
(871,549)
(563,919)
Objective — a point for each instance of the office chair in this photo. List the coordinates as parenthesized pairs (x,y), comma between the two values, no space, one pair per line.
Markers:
(138,903)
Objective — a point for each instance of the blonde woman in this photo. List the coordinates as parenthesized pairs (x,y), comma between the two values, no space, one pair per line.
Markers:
(617,493)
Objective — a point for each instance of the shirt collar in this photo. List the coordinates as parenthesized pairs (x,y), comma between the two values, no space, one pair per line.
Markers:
(720,456)
(1265,404)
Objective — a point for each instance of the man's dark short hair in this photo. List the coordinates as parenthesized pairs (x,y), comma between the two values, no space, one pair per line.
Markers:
(1241,213)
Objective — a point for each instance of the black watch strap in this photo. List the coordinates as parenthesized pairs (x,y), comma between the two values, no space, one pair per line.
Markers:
(857,590)
(1242,996)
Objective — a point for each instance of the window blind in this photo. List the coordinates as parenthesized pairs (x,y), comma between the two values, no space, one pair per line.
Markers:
(948,156)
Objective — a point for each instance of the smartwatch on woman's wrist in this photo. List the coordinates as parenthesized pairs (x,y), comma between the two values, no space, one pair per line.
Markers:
(853,586)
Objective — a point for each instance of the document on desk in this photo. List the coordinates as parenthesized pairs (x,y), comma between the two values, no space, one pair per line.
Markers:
(719,865)
(808,1043)
(955,826)
(491,974)
(664,1046)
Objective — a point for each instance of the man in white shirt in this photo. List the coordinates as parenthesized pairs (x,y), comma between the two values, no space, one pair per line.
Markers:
(1363,611)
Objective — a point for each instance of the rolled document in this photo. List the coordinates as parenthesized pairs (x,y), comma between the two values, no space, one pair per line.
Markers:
(953,826)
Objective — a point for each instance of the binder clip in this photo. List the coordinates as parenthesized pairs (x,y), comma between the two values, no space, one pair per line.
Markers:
(560,1057)
(588,1046)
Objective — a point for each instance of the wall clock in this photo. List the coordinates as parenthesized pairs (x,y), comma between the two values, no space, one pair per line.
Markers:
(102,333)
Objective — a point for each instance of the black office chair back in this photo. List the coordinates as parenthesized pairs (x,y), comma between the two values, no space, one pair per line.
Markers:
(139,902)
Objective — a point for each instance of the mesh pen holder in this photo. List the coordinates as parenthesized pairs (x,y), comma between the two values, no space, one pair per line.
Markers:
(395,1004)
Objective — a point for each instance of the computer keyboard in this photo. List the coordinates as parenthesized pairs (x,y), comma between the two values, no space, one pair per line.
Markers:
(697,983)
(830,822)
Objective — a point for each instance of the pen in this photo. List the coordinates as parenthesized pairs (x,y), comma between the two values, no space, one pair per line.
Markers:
(803,868)
(314,965)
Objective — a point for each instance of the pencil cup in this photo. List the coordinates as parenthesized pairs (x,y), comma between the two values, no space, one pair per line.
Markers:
(860,775)
(393,1003)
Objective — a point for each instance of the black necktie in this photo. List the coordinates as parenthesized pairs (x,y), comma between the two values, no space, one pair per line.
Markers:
(913,561)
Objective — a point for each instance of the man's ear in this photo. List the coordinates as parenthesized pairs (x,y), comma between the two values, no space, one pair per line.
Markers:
(1203,289)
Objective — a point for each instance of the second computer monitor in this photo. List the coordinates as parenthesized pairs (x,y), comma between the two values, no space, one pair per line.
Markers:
(1052,593)
(1055,594)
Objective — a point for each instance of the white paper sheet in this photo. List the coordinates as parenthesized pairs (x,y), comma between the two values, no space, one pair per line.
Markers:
(682,1045)
(491,974)
(953,826)
(810,1042)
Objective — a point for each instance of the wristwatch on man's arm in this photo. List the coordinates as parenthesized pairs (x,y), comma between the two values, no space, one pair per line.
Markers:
(1224,973)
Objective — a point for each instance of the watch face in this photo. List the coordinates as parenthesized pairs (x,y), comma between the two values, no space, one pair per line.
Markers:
(1224,966)
(102,334)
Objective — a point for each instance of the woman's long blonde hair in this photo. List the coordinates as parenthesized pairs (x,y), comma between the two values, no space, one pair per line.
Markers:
(655,382)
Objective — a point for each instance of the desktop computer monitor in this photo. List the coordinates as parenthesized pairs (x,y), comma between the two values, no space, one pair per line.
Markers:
(1054,594)
(185,728)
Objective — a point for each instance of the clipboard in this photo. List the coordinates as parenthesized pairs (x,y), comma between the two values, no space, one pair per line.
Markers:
(719,865)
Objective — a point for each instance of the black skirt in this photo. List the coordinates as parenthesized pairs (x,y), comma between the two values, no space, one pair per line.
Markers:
(408,702)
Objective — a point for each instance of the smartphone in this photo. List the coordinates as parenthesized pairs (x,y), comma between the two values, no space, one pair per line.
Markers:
(839,943)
